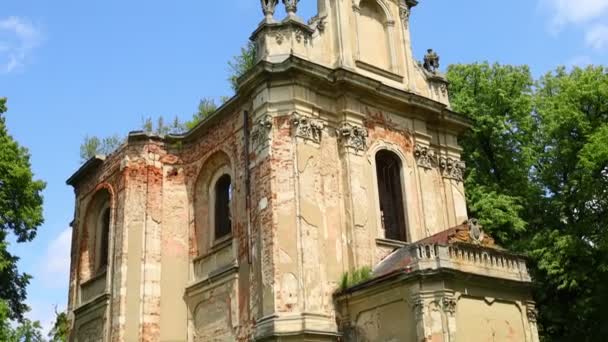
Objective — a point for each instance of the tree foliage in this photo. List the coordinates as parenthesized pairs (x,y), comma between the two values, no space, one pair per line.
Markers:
(238,66)
(26,331)
(59,332)
(93,146)
(538,179)
(206,107)
(20,214)
(499,149)
(241,63)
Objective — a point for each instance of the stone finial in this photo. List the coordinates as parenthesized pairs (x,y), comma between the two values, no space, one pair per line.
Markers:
(291,6)
(268,7)
(431,61)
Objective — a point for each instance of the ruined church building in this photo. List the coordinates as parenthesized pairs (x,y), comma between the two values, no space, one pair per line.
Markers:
(338,152)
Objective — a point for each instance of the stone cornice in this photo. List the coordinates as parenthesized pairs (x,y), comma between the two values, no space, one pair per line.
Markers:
(86,168)
(339,80)
(343,80)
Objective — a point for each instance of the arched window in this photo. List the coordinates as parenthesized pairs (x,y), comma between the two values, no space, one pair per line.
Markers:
(104,239)
(94,236)
(390,191)
(223,197)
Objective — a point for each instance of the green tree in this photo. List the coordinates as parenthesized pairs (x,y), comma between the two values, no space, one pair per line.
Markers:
(241,63)
(538,179)
(28,331)
(93,146)
(206,107)
(6,331)
(20,213)
(59,332)
(499,150)
(571,246)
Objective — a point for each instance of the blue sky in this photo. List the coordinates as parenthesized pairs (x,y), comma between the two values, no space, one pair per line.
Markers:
(71,68)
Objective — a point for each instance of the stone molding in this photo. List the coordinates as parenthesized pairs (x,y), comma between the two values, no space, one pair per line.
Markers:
(261,132)
(352,136)
(307,128)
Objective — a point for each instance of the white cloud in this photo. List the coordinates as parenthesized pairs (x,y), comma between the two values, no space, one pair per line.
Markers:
(18,37)
(597,37)
(575,12)
(56,264)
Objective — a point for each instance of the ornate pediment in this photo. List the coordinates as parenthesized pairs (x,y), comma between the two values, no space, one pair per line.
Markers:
(471,232)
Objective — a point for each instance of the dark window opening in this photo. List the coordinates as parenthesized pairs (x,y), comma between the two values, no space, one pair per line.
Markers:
(104,239)
(388,170)
(223,196)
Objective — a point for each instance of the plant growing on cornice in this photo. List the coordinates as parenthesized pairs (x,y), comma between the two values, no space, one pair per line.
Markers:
(239,65)
(355,277)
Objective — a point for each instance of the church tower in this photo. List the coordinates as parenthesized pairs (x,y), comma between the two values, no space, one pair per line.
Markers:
(323,202)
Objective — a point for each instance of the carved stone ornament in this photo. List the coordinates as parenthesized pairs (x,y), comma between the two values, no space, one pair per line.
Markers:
(354,137)
(444,89)
(318,22)
(291,6)
(431,61)
(301,35)
(268,7)
(260,134)
(404,14)
(449,305)
(532,314)
(451,168)
(425,156)
(471,232)
(418,308)
(475,231)
(279,35)
(307,128)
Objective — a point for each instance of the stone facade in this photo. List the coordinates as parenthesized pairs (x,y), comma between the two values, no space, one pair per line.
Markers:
(335,131)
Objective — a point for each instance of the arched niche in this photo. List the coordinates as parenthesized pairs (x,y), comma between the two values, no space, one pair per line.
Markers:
(374,28)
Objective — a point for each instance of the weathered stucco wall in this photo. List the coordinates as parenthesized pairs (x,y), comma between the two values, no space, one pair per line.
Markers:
(411,308)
